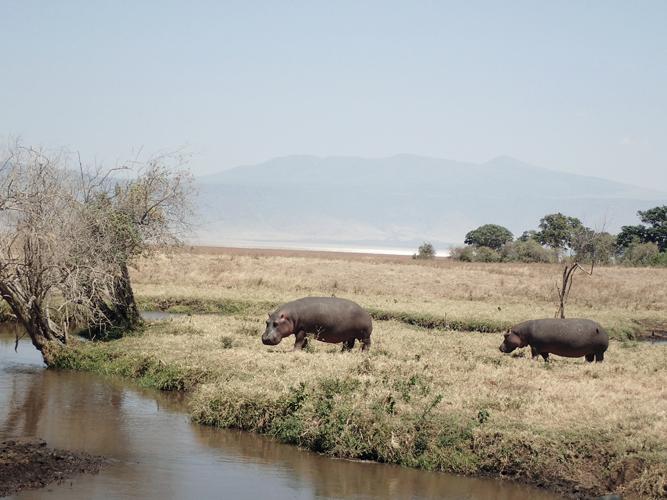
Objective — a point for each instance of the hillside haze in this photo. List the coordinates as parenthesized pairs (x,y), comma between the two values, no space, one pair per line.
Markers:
(400,201)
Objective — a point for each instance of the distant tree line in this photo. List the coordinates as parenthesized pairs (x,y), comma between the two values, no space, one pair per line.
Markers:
(559,235)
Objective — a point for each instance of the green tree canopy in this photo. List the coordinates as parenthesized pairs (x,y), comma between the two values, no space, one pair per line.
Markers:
(558,230)
(653,229)
(528,236)
(489,235)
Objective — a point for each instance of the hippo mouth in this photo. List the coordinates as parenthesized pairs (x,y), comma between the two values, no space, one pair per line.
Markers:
(270,341)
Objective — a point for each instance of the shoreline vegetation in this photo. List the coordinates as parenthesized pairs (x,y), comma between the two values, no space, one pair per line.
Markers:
(431,394)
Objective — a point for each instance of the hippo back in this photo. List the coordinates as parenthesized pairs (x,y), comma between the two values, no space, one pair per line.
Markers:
(573,336)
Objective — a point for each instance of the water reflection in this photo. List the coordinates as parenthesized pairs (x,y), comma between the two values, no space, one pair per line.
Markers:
(158,453)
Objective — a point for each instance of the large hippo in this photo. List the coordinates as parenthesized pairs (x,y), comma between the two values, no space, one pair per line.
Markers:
(572,338)
(330,320)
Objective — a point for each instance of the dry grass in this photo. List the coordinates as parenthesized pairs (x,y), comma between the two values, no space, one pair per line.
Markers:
(621,299)
(435,399)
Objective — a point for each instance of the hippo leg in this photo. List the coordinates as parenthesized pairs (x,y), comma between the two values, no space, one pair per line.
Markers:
(545,356)
(366,343)
(349,344)
(534,353)
(599,356)
(590,357)
(301,341)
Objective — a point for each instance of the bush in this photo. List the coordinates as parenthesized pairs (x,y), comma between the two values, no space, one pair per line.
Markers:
(474,254)
(527,251)
(464,254)
(486,254)
(644,254)
(425,251)
(660,259)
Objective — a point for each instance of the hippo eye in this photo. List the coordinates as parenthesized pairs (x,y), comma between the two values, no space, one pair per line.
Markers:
(275,323)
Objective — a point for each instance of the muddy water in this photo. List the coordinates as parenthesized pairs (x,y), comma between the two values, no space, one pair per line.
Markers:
(157,453)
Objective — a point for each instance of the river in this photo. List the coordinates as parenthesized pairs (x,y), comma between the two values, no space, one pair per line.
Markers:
(155,452)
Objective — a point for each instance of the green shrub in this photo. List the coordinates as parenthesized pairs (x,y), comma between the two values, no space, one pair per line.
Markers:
(526,251)
(641,254)
(486,254)
(660,260)
(474,254)
(464,254)
(425,251)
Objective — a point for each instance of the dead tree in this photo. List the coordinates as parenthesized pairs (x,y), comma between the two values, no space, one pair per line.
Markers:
(67,241)
(566,285)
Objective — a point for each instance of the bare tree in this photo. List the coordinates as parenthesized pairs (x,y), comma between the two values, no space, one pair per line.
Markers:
(67,239)
(33,247)
(566,285)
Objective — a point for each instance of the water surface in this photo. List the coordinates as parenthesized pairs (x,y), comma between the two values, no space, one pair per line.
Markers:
(157,453)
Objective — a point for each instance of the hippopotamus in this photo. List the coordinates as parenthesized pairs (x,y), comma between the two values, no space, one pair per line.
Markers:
(330,319)
(571,338)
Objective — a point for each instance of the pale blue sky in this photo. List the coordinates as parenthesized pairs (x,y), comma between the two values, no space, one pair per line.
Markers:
(578,86)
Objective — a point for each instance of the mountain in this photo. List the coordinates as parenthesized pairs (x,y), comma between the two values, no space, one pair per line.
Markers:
(400,200)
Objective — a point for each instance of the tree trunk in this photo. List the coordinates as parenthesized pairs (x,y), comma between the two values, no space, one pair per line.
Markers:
(126,310)
(45,335)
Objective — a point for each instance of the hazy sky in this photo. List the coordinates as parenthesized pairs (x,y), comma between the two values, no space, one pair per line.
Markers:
(579,86)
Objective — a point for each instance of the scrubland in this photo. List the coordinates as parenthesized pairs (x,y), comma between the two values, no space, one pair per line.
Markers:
(437,398)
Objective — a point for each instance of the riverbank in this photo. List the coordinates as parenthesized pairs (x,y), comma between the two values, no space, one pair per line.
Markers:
(431,394)
(432,399)
(30,463)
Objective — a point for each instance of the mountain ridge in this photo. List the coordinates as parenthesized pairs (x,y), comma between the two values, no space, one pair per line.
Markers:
(402,198)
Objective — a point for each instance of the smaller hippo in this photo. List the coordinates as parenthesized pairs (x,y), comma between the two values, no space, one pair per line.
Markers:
(330,319)
(571,338)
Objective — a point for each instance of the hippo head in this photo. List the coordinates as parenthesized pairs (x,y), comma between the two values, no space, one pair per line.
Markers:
(278,326)
(512,341)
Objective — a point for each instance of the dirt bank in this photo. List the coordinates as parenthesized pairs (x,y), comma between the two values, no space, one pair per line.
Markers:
(30,463)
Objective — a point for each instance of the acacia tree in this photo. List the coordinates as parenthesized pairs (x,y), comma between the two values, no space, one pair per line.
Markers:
(66,240)
(489,235)
(557,230)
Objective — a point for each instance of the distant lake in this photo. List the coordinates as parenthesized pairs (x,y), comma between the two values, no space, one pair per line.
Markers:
(351,247)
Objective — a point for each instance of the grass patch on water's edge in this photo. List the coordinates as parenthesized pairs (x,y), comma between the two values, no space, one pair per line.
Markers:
(146,370)
(386,407)
(624,330)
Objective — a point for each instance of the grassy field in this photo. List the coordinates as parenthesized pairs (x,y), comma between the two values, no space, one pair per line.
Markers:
(434,398)
(626,301)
